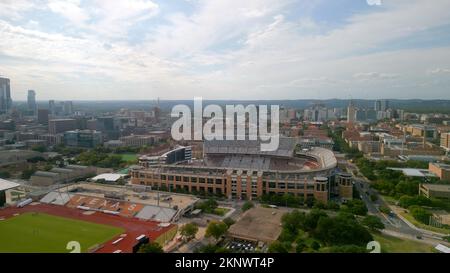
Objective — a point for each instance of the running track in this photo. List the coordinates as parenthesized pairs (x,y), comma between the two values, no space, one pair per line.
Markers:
(133,226)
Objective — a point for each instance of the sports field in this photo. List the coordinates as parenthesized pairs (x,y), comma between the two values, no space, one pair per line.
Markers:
(44,233)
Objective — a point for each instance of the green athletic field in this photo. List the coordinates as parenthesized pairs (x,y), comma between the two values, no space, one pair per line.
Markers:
(43,233)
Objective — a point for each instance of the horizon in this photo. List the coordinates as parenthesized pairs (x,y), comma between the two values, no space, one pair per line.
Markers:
(153,100)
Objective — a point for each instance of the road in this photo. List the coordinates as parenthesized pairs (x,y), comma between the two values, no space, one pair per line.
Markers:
(394,225)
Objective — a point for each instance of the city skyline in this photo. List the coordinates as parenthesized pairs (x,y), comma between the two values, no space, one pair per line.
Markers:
(261,49)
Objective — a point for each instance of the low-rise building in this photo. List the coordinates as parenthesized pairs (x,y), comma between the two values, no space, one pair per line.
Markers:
(52,139)
(435,191)
(445,141)
(11,157)
(61,175)
(138,140)
(83,138)
(440,170)
(56,126)
(258,225)
(420,130)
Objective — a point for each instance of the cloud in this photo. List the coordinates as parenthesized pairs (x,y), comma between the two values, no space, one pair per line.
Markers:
(69,9)
(375,75)
(225,49)
(439,71)
(104,17)
(13,9)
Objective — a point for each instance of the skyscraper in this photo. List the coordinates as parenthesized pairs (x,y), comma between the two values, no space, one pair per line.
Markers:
(5,95)
(32,101)
(377,106)
(51,107)
(351,113)
(67,108)
(384,105)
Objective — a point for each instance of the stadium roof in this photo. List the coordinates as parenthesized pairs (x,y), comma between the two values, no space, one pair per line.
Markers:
(6,185)
(286,147)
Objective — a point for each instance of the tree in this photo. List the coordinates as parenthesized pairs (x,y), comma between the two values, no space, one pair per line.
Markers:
(189,230)
(228,221)
(216,229)
(373,222)
(420,214)
(345,249)
(39,148)
(407,201)
(152,247)
(5,174)
(341,231)
(207,206)
(356,207)
(26,174)
(312,219)
(278,247)
(247,205)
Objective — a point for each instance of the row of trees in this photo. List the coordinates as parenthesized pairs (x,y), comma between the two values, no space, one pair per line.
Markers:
(391,182)
(287,200)
(100,159)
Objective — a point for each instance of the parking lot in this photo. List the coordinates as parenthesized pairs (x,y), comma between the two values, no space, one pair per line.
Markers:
(238,246)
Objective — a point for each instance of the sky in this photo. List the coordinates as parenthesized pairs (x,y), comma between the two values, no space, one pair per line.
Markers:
(226,49)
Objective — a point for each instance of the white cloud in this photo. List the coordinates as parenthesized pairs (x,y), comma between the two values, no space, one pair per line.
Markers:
(13,9)
(228,49)
(70,9)
(439,71)
(375,75)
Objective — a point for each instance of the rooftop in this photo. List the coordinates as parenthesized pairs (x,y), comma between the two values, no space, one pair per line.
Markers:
(110,177)
(6,185)
(437,187)
(258,224)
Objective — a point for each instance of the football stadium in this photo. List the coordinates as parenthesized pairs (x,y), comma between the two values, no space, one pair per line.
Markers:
(240,170)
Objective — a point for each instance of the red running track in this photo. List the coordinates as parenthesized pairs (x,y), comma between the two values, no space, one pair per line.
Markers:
(133,226)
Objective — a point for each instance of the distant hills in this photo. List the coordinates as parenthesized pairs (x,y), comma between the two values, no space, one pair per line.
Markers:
(413,105)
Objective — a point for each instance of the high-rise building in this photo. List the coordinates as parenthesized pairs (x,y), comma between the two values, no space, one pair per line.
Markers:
(42,116)
(67,108)
(51,107)
(351,113)
(384,105)
(31,100)
(360,115)
(377,106)
(5,95)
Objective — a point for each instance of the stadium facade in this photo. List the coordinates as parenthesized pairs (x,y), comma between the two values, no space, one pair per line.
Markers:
(239,170)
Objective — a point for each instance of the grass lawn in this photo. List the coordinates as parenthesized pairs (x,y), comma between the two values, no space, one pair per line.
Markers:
(220,211)
(129,157)
(43,233)
(418,224)
(390,200)
(391,244)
